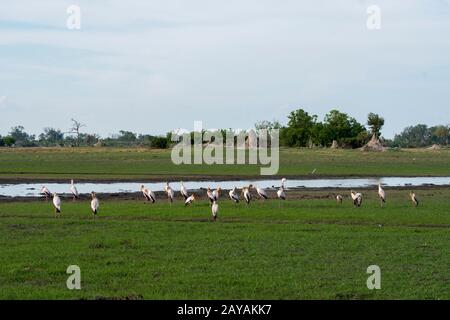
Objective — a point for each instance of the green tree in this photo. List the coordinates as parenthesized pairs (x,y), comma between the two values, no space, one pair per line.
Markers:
(442,134)
(375,123)
(51,137)
(299,130)
(21,138)
(9,141)
(414,137)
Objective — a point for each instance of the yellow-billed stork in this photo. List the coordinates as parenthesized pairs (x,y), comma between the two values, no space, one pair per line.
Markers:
(189,200)
(215,210)
(357,198)
(46,192)
(57,204)
(234,196)
(414,199)
(183,191)
(381,194)
(74,190)
(95,204)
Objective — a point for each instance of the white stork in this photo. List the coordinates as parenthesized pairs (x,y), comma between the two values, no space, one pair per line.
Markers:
(215,210)
(357,198)
(234,195)
(46,192)
(74,190)
(189,200)
(381,194)
(95,204)
(183,191)
(414,199)
(339,199)
(57,205)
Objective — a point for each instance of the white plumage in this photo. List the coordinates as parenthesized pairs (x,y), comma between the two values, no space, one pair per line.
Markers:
(215,210)
(233,195)
(46,192)
(210,195)
(170,192)
(261,193)
(189,200)
(283,183)
(148,194)
(381,194)
(357,199)
(281,194)
(414,198)
(57,204)
(247,194)
(95,204)
(216,194)
(183,191)
(73,190)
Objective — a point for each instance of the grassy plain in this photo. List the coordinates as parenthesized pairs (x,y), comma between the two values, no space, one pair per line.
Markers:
(139,164)
(305,249)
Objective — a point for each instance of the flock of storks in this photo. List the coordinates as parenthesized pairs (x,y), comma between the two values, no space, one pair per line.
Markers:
(213,196)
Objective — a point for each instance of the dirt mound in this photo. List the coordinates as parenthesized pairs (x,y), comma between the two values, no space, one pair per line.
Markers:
(435,147)
(374,145)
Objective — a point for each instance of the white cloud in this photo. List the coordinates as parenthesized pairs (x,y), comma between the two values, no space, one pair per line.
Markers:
(151,66)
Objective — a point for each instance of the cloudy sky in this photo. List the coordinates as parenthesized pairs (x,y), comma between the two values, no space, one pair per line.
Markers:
(153,66)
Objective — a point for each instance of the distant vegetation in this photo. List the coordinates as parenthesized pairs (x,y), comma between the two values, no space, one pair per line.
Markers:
(337,129)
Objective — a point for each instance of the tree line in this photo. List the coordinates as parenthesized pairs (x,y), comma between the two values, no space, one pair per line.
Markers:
(302,129)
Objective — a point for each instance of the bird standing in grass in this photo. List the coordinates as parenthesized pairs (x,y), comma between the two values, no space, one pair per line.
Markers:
(234,195)
(281,194)
(183,191)
(74,190)
(381,194)
(210,195)
(57,205)
(414,199)
(215,210)
(46,193)
(189,200)
(95,204)
(339,199)
(357,199)
(247,195)
(216,194)
(148,194)
(283,183)
(261,192)
(170,193)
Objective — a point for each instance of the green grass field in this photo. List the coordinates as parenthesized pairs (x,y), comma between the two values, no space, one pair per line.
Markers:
(307,249)
(113,164)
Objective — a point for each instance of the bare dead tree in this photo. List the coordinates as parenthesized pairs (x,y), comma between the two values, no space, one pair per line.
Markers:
(75,129)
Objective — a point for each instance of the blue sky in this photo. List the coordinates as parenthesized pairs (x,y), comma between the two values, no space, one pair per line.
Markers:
(153,66)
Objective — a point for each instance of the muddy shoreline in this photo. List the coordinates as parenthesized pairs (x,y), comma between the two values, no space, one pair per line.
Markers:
(292,193)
